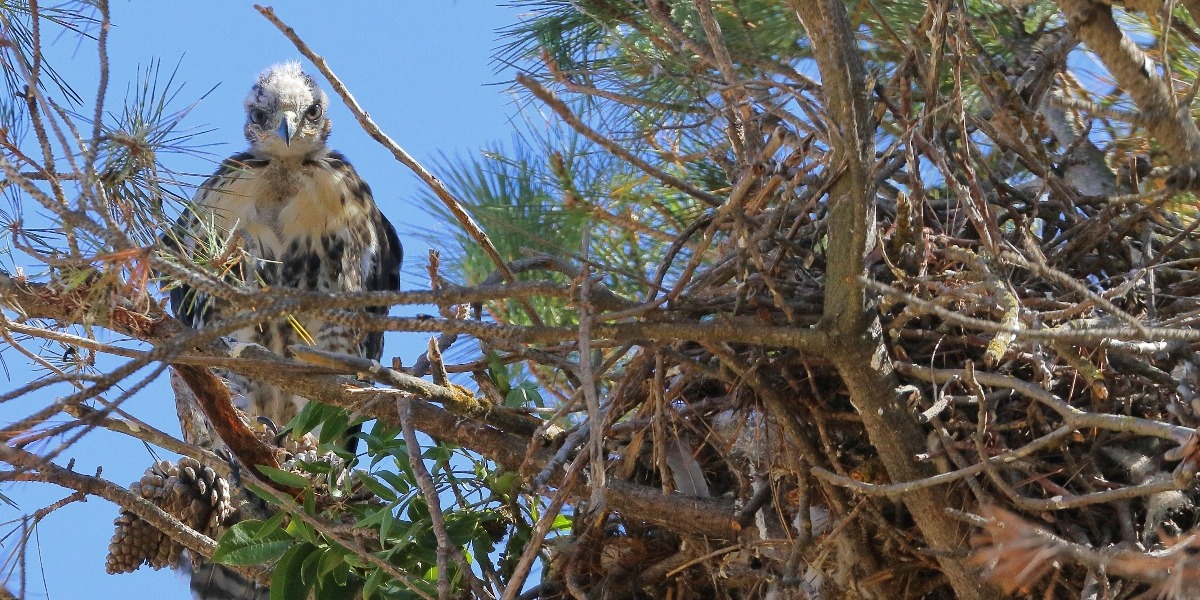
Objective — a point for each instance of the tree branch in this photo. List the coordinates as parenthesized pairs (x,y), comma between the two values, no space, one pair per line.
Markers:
(1137,75)
(855,344)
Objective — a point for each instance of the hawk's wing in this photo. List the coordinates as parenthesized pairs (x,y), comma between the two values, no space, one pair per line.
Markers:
(190,231)
(384,276)
(383,270)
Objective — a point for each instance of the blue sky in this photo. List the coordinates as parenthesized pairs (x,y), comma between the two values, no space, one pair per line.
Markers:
(422,69)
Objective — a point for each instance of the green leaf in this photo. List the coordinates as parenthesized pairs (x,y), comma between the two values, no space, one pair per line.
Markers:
(309,417)
(561,523)
(302,530)
(282,477)
(371,483)
(498,372)
(271,525)
(418,509)
(400,455)
(525,394)
(310,502)
(504,483)
(437,453)
(372,584)
(242,544)
(331,560)
(318,467)
(308,570)
(263,494)
(331,590)
(397,482)
(334,426)
(385,526)
(287,582)
(461,526)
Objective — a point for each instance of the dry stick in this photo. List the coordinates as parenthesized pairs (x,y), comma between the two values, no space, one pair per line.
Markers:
(1039,267)
(602,297)
(446,340)
(575,438)
(571,119)
(658,428)
(27,528)
(588,380)
(1172,566)
(742,130)
(31,98)
(101,383)
(572,441)
(130,426)
(1073,417)
(1096,335)
(456,399)
(895,489)
(711,224)
(734,330)
(141,431)
(453,204)
(428,489)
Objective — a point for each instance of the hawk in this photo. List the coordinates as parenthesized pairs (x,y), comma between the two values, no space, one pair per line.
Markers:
(296,215)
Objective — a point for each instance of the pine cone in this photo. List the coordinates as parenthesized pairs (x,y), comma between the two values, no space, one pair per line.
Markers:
(186,490)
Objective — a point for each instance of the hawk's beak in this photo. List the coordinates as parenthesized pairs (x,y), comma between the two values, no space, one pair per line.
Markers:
(287,126)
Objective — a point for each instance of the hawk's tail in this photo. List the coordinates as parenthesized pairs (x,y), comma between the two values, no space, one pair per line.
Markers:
(218,582)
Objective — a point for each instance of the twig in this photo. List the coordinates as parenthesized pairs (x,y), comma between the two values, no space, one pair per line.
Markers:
(895,489)
(428,489)
(1090,335)
(455,398)
(1072,416)
(588,383)
(37,469)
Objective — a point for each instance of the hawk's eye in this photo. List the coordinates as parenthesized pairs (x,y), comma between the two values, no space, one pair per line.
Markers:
(257,116)
(313,113)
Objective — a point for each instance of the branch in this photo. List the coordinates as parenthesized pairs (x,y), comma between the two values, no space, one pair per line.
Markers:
(734,330)
(1136,74)
(509,451)
(33,468)
(896,489)
(855,345)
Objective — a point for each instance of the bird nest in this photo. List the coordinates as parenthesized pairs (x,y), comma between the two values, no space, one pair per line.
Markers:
(1048,365)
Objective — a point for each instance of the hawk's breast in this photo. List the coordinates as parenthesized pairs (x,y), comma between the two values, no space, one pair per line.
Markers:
(303,226)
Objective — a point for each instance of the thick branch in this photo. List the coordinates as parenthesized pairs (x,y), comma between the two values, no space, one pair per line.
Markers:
(733,330)
(217,403)
(1135,73)
(855,343)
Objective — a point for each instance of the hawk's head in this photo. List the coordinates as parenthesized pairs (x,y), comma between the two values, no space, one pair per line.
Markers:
(285,112)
